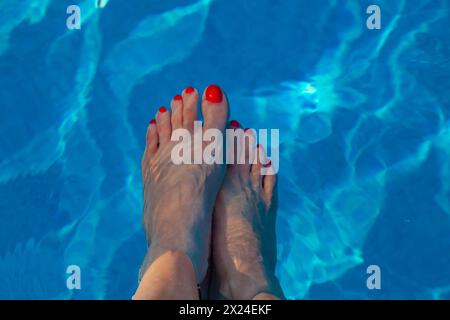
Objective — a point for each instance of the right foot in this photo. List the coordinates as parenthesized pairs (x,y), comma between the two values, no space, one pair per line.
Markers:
(244,252)
(179,199)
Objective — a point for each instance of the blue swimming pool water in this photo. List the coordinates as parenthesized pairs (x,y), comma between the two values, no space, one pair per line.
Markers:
(364,119)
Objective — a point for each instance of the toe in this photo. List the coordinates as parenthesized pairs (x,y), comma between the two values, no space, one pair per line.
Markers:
(214,108)
(151,145)
(190,104)
(177,112)
(248,148)
(232,141)
(269,183)
(261,159)
(163,124)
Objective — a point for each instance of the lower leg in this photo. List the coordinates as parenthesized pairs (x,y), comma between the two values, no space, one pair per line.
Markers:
(170,277)
(265,296)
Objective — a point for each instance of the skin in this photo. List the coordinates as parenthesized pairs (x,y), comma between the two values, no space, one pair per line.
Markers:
(179,202)
(243,251)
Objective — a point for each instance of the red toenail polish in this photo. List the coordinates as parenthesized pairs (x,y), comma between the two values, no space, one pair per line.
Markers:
(235,124)
(189,90)
(268,164)
(153,121)
(214,94)
(162,109)
(178,98)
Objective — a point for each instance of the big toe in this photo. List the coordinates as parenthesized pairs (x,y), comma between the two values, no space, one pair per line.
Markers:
(214,108)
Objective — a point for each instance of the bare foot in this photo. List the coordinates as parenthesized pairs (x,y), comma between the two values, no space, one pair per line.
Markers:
(179,199)
(244,248)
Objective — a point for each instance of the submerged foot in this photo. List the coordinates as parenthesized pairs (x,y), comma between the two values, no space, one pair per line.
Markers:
(179,199)
(244,252)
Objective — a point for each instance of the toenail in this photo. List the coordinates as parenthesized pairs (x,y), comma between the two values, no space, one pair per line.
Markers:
(214,94)
(189,90)
(162,109)
(235,124)
(177,98)
(153,121)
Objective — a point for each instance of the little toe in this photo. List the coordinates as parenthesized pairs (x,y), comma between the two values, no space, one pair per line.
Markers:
(151,145)
(269,184)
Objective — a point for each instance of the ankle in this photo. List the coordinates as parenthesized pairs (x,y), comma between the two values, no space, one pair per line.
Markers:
(170,276)
(243,287)
(265,296)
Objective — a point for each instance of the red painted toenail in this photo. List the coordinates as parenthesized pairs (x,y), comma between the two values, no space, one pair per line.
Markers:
(235,124)
(214,94)
(178,98)
(189,90)
(153,121)
(162,109)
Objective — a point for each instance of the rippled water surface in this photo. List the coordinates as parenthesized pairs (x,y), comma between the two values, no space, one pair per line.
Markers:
(364,119)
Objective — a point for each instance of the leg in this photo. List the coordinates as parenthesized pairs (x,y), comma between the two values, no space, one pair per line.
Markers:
(171,276)
(265,296)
